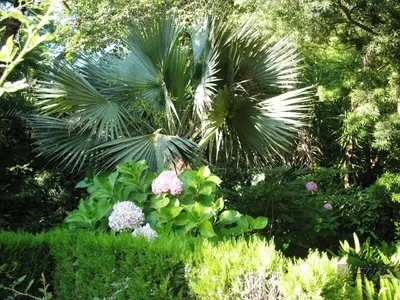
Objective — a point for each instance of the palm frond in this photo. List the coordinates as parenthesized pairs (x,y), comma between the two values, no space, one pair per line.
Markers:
(69,92)
(155,37)
(275,66)
(219,85)
(157,149)
(259,131)
(155,56)
(59,140)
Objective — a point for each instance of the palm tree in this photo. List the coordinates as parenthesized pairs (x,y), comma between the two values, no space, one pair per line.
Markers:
(172,95)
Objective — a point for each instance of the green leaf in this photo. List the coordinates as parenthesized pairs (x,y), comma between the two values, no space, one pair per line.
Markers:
(206,190)
(112,179)
(38,39)
(198,212)
(182,219)
(19,280)
(139,197)
(228,217)
(214,178)
(29,285)
(100,193)
(175,211)
(101,183)
(156,202)
(243,223)
(219,204)
(206,229)
(204,172)
(7,52)
(189,226)
(11,87)
(259,223)
(83,184)
(206,200)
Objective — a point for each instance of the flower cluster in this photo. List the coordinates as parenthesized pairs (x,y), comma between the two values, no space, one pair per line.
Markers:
(167,181)
(145,231)
(125,216)
(328,206)
(311,186)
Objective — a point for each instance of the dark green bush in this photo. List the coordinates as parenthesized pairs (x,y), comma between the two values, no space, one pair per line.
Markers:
(153,270)
(81,265)
(22,254)
(298,220)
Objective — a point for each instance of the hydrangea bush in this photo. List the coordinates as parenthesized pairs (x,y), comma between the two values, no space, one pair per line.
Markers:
(187,203)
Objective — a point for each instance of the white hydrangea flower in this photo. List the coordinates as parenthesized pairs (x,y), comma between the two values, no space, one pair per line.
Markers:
(148,232)
(125,216)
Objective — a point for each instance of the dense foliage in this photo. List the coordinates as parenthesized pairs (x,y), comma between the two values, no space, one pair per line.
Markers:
(158,80)
(280,194)
(187,204)
(106,266)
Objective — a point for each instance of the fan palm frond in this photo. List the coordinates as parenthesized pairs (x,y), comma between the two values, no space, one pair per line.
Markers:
(157,149)
(259,131)
(61,141)
(205,62)
(70,92)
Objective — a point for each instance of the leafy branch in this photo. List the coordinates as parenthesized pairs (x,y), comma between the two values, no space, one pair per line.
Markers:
(16,293)
(9,55)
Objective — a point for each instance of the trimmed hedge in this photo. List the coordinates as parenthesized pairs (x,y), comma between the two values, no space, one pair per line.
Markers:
(87,266)
(84,265)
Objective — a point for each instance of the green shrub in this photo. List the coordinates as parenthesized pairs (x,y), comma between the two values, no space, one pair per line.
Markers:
(315,277)
(219,271)
(194,208)
(281,197)
(155,270)
(63,250)
(371,261)
(22,254)
(388,289)
(85,265)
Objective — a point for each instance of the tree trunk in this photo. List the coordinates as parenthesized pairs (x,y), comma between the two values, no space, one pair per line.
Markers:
(347,162)
(348,166)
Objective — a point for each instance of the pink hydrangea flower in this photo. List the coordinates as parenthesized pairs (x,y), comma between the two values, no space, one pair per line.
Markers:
(176,186)
(328,206)
(167,181)
(311,186)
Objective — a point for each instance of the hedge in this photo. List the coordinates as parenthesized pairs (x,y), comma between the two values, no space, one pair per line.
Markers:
(84,265)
